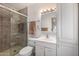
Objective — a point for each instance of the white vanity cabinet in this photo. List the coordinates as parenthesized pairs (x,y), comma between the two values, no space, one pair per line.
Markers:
(45,49)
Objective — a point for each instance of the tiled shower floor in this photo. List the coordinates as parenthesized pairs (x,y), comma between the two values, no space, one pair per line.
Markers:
(10,52)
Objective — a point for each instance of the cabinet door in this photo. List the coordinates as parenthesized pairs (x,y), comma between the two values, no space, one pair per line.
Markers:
(50,52)
(67,17)
(67,22)
(67,49)
(39,50)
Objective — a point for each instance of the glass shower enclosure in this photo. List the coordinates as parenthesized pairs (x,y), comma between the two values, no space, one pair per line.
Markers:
(13,31)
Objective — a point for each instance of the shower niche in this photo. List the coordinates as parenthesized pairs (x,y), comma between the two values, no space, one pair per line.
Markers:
(13,32)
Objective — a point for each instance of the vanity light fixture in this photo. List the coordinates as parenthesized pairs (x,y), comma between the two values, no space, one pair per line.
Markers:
(48,10)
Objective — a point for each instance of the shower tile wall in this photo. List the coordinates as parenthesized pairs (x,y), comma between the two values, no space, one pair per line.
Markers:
(5,29)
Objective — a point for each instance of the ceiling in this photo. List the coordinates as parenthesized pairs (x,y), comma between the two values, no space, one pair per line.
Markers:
(18,6)
(46,5)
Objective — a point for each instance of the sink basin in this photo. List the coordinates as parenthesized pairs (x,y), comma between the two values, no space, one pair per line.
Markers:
(49,39)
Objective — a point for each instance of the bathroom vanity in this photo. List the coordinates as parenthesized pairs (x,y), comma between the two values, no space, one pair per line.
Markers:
(43,46)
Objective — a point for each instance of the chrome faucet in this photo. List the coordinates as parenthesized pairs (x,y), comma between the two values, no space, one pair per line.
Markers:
(47,36)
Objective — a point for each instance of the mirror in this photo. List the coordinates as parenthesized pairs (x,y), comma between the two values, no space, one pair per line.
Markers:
(48,21)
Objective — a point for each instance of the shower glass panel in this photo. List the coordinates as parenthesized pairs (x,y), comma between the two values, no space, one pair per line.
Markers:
(13,32)
(18,33)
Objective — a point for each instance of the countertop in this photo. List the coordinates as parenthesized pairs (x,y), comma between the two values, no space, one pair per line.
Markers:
(50,39)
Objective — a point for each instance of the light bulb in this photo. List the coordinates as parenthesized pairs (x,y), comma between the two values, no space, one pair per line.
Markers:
(45,10)
(53,8)
(49,9)
(41,11)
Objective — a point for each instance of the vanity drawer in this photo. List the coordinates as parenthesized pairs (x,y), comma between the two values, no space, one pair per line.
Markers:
(50,52)
(39,51)
(46,44)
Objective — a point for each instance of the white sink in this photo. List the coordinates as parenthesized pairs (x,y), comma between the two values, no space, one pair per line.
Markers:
(49,39)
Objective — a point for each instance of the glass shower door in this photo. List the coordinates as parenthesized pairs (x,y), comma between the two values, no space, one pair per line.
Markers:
(13,32)
(18,33)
